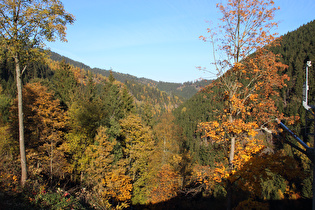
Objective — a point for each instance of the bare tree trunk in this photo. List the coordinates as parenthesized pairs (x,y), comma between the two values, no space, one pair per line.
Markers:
(21,123)
(51,160)
(231,166)
(232,151)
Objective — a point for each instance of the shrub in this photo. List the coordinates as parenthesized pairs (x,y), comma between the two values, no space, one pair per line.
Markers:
(57,200)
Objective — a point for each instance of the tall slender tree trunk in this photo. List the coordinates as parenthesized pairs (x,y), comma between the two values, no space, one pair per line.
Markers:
(231,166)
(232,152)
(238,47)
(21,123)
(51,159)
(233,139)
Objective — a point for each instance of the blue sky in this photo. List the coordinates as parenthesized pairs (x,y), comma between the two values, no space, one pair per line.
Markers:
(156,39)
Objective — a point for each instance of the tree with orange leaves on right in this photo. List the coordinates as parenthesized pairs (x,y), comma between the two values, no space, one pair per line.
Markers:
(249,77)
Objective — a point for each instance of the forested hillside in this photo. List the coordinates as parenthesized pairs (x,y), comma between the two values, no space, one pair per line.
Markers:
(85,130)
(296,48)
(184,90)
(98,139)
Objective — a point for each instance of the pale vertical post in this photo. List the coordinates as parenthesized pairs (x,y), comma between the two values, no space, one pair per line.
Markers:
(307,107)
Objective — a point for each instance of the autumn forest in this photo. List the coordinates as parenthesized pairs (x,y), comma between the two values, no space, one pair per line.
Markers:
(73,137)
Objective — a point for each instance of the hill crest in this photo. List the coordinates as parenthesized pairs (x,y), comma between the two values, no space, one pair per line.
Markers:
(185,90)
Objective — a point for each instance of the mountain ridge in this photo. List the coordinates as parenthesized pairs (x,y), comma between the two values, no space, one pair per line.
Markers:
(185,90)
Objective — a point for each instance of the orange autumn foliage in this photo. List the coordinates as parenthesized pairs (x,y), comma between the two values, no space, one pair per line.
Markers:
(164,168)
(249,77)
(44,123)
(245,27)
(166,185)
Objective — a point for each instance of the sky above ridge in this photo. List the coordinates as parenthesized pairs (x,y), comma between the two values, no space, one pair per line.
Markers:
(155,39)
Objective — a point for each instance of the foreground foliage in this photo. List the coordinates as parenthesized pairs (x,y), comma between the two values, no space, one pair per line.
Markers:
(91,144)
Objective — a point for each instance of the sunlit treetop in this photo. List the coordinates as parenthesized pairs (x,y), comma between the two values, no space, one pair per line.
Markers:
(26,24)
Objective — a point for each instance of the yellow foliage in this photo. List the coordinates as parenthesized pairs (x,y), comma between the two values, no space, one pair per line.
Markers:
(117,185)
(205,176)
(166,185)
(109,180)
(45,121)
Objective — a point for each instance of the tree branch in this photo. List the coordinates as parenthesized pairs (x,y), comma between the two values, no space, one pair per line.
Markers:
(23,70)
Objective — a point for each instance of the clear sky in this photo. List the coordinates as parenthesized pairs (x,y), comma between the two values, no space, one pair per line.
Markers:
(156,39)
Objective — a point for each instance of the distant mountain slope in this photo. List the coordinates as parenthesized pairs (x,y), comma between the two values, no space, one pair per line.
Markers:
(184,90)
(56,57)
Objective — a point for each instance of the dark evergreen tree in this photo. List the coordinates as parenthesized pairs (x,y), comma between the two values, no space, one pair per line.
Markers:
(65,84)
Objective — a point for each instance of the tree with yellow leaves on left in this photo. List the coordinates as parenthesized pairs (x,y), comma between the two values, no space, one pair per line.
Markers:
(24,26)
(45,122)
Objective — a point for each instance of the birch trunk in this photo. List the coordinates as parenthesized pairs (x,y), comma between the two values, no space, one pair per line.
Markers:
(21,120)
